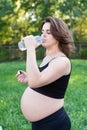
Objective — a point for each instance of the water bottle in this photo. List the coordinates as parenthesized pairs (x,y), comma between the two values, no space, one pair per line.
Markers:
(21,44)
(0,127)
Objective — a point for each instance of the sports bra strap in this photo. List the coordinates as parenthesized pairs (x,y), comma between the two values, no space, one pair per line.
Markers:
(54,58)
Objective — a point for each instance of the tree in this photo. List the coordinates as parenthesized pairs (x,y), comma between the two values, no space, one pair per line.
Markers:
(6,14)
(73,12)
(21,17)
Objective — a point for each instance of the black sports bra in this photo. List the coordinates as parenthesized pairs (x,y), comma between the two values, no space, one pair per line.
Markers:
(55,89)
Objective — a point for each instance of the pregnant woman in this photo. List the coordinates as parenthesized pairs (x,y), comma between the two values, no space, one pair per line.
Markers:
(42,102)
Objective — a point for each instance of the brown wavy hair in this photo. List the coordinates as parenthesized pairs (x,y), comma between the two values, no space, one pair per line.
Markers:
(61,33)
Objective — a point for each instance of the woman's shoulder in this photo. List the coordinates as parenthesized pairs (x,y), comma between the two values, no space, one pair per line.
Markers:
(61,62)
(60,58)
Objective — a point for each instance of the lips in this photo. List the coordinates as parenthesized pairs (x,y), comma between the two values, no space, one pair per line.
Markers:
(43,40)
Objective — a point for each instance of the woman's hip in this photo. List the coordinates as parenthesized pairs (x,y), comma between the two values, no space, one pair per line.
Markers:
(56,121)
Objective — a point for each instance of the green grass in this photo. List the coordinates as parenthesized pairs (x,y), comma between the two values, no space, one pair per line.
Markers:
(11,117)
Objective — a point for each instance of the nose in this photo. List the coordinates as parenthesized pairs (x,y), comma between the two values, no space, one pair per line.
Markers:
(44,34)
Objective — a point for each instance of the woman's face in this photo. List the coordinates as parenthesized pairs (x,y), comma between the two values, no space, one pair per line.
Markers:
(47,38)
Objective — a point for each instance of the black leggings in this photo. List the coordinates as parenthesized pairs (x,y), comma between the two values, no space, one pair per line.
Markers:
(56,121)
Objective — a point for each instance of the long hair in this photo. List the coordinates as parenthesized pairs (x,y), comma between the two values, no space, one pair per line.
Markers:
(61,33)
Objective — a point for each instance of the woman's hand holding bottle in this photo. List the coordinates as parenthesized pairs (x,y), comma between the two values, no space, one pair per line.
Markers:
(28,41)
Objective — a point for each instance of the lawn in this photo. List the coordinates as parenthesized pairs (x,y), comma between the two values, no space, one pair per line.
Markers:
(11,117)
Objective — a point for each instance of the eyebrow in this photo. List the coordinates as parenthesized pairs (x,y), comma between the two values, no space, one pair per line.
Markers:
(46,30)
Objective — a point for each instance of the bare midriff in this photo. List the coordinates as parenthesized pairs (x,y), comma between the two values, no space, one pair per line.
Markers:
(36,106)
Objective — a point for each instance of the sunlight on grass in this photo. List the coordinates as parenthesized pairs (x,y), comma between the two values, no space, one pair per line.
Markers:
(11,117)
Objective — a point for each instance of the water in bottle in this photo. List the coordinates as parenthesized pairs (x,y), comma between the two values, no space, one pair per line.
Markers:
(21,44)
(0,127)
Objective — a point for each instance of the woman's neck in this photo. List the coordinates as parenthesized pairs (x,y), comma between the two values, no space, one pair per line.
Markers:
(53,52)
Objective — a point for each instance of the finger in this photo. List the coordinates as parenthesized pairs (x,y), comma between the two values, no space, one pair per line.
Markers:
(21,80)
(19,72)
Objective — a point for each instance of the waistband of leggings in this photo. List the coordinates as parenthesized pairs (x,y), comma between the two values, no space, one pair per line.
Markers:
(57,114)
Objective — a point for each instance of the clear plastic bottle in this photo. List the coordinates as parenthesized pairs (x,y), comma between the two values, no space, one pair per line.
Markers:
(21,44)
(0,127)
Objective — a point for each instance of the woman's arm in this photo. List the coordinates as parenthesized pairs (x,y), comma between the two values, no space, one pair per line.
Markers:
(58,67)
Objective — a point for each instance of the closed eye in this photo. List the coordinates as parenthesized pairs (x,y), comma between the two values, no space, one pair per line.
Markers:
(47,31)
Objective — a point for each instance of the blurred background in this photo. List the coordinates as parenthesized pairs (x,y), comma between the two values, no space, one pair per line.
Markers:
(19,18)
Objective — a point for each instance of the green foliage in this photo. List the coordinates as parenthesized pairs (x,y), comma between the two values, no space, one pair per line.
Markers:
(12,52)
(4,54)
(14,23)
(11,117)
(83,53)
(5,8)
(72,12)
(40,52)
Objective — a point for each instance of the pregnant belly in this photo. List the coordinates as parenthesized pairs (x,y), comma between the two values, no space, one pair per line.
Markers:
(36,106)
